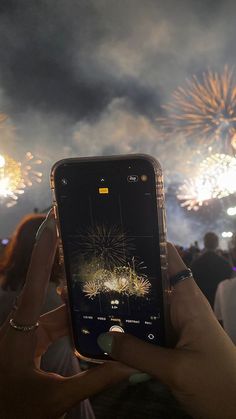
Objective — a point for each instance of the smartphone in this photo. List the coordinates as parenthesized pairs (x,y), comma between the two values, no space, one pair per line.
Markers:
(110,213)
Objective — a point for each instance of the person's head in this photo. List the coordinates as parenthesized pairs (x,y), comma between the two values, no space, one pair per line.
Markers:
(211,241)
(15,260)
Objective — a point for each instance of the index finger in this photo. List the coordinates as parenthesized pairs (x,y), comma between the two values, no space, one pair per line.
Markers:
(32,297)
(187,303)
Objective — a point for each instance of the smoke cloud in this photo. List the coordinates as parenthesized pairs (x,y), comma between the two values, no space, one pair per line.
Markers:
(90,78)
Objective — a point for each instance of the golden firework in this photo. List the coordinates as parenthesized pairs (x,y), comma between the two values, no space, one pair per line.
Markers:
(123,280)
(30,169)
(101,263)
(141,286)
(204,108)
(16,176)
(116,284)
(11,180)
(91,289)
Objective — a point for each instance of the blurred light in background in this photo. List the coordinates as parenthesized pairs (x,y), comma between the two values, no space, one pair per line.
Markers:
(231,211)
(227,234)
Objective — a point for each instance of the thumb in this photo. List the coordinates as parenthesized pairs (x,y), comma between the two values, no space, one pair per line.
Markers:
(154,360)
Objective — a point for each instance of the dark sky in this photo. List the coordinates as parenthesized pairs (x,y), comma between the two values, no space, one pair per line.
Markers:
(75,57)
(90,77)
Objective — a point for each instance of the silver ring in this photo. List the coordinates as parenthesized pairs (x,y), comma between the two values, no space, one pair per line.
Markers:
(181,276)
(23,328)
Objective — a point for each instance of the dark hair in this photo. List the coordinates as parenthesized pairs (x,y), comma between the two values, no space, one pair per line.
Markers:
(16,257)
(211,241)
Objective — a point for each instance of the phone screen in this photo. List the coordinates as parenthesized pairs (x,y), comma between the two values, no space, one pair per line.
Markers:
(109,228)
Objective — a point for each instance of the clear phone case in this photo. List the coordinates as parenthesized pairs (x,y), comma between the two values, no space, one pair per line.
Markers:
(160,196)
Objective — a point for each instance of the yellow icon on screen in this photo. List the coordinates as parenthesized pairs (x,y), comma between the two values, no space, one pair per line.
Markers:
(103,190)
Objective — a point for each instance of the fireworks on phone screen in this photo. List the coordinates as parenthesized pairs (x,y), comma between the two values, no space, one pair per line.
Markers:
(104,262)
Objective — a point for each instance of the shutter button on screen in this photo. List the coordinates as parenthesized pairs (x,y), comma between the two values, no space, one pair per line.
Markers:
(116,328)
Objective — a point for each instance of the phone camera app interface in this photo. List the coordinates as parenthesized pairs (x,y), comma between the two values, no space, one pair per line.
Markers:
(110,236)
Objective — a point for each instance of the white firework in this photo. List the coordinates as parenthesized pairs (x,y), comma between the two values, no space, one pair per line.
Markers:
(215,180)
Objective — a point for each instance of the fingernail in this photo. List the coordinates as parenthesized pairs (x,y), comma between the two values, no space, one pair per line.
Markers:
(105,342)
(49,223)
(139,377)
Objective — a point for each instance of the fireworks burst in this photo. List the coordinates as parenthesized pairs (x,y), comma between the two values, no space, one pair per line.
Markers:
(117,284)
(215,179)
(123,280)
(16,176)
(30,169)
(141,286)
(91,289)
(194,193)
(11,180)
(204,108)
(102,264)
(109,246)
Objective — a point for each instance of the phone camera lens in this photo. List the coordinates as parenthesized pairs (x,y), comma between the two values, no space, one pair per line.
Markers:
(64,181)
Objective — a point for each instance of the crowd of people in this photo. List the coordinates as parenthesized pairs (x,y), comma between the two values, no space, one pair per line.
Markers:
(214,271)
(201,372)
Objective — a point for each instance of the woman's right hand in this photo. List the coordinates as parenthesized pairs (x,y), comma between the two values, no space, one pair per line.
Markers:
(26,390)
(201,370)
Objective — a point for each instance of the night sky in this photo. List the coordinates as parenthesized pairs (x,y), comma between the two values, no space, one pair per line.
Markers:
(89,77)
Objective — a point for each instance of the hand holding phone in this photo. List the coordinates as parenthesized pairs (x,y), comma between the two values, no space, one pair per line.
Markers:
(201,370)
(111,219)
